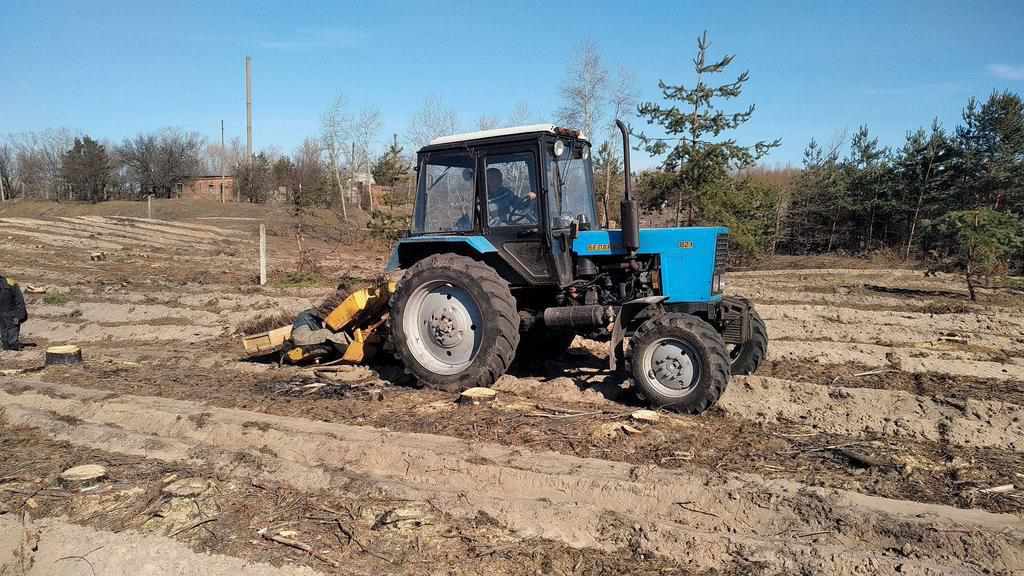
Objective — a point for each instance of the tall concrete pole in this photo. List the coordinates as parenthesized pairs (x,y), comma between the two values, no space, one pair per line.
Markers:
(248,109)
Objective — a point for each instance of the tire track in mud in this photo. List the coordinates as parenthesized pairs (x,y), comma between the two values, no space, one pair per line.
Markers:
(704,519)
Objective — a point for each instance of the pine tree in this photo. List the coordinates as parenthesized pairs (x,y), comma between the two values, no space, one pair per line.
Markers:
(86,169)
(391,167)
(698,157)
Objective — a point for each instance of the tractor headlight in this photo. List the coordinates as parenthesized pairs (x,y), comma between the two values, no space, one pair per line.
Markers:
(717,283)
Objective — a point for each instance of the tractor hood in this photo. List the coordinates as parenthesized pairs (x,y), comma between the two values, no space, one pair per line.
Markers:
(687,257)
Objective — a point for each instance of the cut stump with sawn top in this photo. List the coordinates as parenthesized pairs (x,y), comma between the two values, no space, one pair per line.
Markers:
(57,355)
(81,477)
(477,395)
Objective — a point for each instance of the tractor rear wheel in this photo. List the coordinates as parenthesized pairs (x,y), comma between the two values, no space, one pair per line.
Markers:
(746,357)
(454,323)
(679,362)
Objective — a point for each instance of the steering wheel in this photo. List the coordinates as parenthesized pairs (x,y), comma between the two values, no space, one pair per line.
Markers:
(519,211)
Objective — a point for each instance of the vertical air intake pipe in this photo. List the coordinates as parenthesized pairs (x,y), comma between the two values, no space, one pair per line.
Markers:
(630,208)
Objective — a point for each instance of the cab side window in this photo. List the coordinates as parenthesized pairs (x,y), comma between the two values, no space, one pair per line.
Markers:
(511,184)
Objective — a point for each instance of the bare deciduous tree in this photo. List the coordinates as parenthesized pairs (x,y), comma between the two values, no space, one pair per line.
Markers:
(156,162)
(335,126)
(433,119)
(486,122)
(585,91)
(622,99)
(364,132)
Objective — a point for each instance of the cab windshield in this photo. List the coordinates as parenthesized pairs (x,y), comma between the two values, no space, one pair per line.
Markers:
(576,198)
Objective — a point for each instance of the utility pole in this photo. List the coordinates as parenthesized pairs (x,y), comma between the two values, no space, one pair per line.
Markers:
(3,196)
(248,109)
(248,121)
(222,151)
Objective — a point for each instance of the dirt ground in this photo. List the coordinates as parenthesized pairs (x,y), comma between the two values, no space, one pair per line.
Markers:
(884,433)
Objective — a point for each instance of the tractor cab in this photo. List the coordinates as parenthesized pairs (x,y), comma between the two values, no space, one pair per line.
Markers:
(520,194)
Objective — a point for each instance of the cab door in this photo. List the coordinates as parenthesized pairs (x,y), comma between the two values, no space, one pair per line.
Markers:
(558,230)
(512,209)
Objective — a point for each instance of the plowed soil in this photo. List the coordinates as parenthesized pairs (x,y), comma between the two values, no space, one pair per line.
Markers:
(884,434)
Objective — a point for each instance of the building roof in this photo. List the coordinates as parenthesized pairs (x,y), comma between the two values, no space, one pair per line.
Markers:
(510,131)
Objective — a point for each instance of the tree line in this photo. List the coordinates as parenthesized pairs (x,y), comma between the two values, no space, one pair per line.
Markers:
(875,197)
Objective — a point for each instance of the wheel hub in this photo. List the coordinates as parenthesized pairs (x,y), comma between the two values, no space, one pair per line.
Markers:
(669,364)
(445,328)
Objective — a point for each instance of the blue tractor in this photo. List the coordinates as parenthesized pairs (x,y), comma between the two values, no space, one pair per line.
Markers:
(502,264)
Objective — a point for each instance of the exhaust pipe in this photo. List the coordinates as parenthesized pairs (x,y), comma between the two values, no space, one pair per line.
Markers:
(630,209)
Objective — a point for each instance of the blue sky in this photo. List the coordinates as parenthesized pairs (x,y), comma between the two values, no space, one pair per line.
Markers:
(114,68)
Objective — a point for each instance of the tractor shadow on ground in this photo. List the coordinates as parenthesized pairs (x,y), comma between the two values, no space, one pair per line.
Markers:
(589,372)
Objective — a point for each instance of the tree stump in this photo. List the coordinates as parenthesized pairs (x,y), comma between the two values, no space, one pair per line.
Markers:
(646,416)
(477,396)
(82,477)
(57,355)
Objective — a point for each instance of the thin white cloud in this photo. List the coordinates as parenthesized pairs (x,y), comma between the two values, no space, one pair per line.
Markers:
(1006,71)
(310,38)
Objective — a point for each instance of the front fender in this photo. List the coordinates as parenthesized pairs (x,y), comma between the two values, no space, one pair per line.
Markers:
(627,312)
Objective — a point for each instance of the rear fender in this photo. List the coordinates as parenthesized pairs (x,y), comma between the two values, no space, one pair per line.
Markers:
(411,249)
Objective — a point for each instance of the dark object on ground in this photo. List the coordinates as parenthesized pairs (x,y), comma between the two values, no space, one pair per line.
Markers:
(12,314)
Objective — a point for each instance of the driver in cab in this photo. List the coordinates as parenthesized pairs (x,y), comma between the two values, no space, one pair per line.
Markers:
(505,206)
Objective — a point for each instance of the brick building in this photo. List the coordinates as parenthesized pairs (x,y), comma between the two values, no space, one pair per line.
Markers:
(206,188)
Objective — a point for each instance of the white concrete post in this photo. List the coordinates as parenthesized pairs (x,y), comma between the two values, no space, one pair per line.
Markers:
(263,254)
(149,207)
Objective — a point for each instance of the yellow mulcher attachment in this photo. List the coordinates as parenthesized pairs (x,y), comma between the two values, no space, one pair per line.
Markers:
(361,317)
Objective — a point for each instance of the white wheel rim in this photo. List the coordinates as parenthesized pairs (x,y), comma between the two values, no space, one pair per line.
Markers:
(443,328)
(671,366)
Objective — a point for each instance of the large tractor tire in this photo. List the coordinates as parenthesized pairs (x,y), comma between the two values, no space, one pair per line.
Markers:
(746,357)
(679,362)
(454,323)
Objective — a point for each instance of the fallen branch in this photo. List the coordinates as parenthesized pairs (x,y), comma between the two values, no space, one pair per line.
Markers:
(809,534)
(826,448)
(1005,488)
(872,372)
(195,525)
(82,558)
(684,506)
(298,546)
(352,538)
(563,416)
(858,458)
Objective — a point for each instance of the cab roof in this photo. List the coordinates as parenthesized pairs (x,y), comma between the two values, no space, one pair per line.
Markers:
(510,131)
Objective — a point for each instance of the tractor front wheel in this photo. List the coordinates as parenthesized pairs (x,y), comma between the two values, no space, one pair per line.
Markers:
(454,322)
(679,362)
